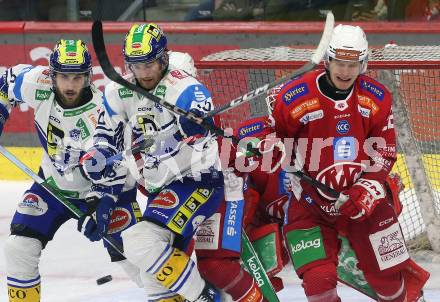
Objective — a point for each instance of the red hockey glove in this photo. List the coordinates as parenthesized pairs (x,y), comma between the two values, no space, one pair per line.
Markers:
(359,201)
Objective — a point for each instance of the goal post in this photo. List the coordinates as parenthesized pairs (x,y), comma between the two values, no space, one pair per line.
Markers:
(412,73)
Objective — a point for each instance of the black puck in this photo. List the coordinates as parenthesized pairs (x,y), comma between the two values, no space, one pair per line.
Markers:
(104,279)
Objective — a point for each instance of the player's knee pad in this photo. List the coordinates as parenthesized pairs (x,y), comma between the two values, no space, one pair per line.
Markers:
(22,256)
(145,242)
(388,287)
(132,271)
(148,246)
(319,283)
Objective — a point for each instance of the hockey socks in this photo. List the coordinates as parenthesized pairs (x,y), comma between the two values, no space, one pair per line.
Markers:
(234,280)
(24,290)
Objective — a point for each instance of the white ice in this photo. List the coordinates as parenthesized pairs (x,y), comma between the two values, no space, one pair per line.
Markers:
(70,265)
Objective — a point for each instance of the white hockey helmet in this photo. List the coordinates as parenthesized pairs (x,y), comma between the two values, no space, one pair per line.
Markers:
(183,61)
(348,43)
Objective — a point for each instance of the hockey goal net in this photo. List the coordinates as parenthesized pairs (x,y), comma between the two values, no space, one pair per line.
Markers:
(412,73)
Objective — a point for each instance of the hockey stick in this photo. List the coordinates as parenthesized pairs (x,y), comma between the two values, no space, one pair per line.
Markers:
(311,64)
(254,266)
(110,72)
(59,197)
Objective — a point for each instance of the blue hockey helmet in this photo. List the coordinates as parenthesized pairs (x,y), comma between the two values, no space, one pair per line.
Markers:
(144,43)
(70,56)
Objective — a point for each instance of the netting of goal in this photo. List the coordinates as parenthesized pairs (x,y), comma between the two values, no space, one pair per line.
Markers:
(412,73)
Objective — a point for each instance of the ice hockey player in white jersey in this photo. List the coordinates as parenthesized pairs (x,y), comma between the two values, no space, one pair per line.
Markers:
(66,107)
(180,171)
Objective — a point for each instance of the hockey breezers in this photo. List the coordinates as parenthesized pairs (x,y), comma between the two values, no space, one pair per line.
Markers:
(52,191)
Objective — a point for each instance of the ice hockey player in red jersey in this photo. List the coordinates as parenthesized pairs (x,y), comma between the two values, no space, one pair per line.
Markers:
(218,242)
(339,124)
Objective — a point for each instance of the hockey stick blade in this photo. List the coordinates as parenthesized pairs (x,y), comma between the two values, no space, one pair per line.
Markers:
(110,72)
(314,60)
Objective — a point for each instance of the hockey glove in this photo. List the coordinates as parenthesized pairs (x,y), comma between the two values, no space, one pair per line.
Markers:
(190,128)
(361,199)
(4,114)
(104,205)
(94,165)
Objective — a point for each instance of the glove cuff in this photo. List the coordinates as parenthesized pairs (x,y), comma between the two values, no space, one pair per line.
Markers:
(373,187)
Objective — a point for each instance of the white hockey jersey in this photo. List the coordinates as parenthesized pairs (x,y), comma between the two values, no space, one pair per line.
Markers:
(63,133)
(172,156)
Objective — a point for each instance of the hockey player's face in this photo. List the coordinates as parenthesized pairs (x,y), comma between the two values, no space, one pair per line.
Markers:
(343,73)
(148,75)
(69,87)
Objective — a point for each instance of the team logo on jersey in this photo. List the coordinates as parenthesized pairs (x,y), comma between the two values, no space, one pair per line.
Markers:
(166,199)
(249,130)
(345,148)
(341,105)
(125,93)
(342,127)
(375,90)
(304,107)
(294,93)
(75,134)
(33,205)
(339,176)
(119,221)
(42,95)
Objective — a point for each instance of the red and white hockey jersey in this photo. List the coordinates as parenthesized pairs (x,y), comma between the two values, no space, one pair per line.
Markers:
(335,141)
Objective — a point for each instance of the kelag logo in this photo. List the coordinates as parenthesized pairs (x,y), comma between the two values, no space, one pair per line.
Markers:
(342,127)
